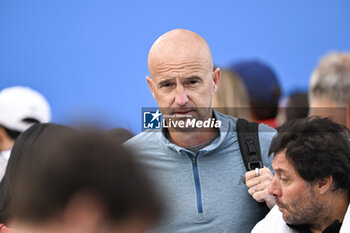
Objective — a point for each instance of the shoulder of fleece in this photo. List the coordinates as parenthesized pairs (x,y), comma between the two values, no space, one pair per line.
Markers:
(266,134)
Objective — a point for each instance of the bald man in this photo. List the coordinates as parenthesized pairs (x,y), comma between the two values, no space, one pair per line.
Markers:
(199,169)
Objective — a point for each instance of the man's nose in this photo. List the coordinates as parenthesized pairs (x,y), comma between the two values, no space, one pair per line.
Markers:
(181,96)
(274,188)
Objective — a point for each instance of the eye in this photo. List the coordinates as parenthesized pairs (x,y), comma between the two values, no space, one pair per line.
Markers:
(191,83)
(283,180)
(166,85)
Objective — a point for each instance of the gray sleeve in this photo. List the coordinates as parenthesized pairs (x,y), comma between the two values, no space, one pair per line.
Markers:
(266,134)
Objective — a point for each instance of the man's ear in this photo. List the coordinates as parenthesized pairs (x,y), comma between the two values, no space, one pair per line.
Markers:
(150,84)
(324,185)
(216,79)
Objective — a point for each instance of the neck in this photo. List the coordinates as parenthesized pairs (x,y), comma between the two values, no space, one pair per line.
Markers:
(338,206)
(192,138)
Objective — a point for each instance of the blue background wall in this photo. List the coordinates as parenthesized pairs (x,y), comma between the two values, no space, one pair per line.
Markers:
(89,58)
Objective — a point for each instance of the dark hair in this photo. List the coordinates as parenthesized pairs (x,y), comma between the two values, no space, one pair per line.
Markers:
(120,134)
(317,148)
(22,154)
(91,163)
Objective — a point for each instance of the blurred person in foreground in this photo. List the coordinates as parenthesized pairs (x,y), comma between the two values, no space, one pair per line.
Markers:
(329,94)
(199,169)
(232,97)
(24,154)
(263,89)
(312,178)
(20,107)
(121,135)
(82,184)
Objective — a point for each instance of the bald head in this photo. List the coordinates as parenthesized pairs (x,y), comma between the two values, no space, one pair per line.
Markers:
(182,77)
(179,45)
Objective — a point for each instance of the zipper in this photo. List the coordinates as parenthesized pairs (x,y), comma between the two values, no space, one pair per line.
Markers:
(197,182)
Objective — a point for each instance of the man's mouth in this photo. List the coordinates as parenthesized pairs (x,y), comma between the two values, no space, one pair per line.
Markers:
(280,205)
(184,112)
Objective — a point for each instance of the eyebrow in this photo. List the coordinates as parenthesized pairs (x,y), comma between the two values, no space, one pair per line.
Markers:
(164,81)
(280,171)
(194,77)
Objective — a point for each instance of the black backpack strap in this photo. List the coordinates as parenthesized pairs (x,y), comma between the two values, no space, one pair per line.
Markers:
(249,145)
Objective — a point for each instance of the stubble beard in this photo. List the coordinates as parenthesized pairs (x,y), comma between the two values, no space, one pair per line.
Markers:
(200,114)
(305,210)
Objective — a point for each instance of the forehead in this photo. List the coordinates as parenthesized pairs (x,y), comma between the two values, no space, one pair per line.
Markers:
(172,67)
(281,164)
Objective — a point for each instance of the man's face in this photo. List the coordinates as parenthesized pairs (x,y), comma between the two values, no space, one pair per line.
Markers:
(184,87)
(294,196)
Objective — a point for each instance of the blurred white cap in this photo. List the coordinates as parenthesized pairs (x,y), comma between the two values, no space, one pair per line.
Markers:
(19,103)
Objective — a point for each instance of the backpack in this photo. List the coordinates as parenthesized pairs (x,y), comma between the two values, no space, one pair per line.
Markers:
(249,145)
